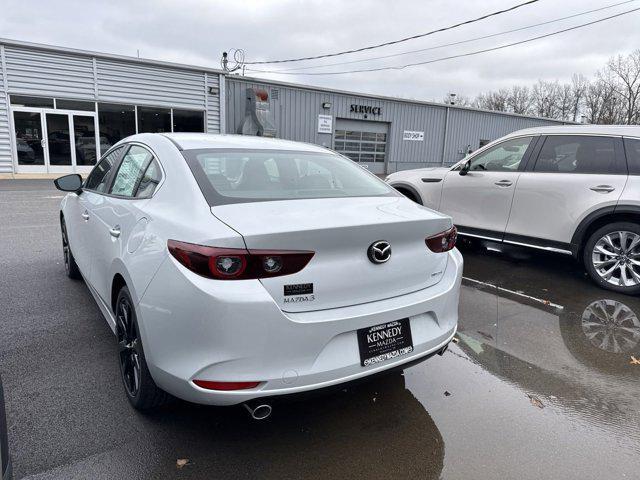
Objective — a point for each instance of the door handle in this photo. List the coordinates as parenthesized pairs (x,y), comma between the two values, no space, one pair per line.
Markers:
(115,231)
(504,183)
(603,188)
(85,215)
(43,143)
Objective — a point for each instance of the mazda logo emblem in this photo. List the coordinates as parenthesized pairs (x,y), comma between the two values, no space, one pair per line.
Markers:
(379,252)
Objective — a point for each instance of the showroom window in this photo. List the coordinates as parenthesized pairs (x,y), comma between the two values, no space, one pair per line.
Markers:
(188,121)
(25,101)
(361,146)
(62,104)
(578,154)
(115,122)
(154,120)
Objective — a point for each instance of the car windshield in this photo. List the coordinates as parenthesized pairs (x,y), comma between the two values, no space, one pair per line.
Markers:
(248,175)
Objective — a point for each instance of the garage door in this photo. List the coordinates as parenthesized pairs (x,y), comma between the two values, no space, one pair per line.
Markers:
(362,142)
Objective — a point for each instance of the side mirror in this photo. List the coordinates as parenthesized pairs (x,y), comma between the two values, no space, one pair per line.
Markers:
(69,183)
(465,168)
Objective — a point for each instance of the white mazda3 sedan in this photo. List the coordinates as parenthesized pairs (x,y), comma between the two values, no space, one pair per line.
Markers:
(236,268)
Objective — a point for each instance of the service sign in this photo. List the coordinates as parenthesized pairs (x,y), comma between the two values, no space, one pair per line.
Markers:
(325,124)
(413,136)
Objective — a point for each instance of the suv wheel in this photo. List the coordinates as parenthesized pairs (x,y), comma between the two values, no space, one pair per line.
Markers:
(140,388)
(612,257)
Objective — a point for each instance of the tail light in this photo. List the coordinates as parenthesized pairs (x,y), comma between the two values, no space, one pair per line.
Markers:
(238,263)
(443,242)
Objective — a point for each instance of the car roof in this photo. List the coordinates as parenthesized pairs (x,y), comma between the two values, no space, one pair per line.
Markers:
(192,141)
(616,130)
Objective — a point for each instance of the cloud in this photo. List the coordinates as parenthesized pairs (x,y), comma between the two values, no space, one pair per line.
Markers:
(197,31)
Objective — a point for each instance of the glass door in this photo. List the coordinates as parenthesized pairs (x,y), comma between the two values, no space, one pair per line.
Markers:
(59,143)
(55,141)
(30,143)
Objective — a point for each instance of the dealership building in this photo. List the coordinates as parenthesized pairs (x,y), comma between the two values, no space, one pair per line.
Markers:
(61,109)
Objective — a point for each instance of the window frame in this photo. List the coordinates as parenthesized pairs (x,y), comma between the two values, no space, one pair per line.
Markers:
(112,175)
(620,159)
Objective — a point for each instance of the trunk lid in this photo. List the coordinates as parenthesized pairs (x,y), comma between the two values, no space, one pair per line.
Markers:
(340,231)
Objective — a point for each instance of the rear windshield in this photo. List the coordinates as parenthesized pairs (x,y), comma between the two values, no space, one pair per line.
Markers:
(231,176)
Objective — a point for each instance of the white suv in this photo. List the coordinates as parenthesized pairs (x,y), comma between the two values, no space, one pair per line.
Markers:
(566,189)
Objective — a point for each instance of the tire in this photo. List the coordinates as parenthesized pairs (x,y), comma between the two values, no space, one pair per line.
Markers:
(70,265)
(612,262)
(141,390)
(410,195)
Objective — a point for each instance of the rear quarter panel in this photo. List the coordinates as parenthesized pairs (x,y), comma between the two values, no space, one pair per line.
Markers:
(631,193)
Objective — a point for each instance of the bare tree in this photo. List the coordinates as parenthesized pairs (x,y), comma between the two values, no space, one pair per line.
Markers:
(623,76)
(545,97)
(519,100)
(493,100)
(613,96)
(603,104)
(564,102)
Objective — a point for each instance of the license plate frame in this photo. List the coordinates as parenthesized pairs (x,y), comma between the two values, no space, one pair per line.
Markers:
(384,341)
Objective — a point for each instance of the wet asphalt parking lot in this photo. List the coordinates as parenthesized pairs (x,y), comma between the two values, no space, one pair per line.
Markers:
(542,383)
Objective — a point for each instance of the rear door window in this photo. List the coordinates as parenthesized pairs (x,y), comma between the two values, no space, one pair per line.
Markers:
(98,179)
(132,168)
(150,180)
(632,148)
(579,154)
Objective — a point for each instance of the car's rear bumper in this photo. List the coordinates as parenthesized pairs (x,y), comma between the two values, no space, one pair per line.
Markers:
(195,328)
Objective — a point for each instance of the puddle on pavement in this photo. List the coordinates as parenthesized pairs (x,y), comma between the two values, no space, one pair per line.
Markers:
(553,389)
(531,390)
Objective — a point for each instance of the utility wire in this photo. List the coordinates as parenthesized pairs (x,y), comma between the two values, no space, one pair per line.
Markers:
(450,57)
(435,47)
(393,42)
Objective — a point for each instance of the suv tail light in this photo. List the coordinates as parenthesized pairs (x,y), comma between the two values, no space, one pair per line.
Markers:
(443,242)
(238,263)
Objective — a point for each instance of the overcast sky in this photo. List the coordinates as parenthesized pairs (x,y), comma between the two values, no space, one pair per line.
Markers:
(197,31)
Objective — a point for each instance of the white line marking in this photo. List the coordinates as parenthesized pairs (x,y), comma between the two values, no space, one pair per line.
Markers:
(513,292)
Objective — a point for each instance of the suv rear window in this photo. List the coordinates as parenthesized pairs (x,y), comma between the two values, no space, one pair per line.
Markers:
(233,176)
(579,154)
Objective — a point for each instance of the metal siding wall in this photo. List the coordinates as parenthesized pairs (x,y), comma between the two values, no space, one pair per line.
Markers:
(36,72)
(6,166)
(295,115)
(213,103)
(467,127)
(141,84)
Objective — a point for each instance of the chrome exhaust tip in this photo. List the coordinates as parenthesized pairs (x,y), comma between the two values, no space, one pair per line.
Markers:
(259,412)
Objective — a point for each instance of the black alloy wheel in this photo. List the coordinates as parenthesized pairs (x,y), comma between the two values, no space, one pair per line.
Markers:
(142,392)
(128,346)
(70,265)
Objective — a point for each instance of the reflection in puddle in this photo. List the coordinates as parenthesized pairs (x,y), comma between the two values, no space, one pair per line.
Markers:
(576,357)
(611,326)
